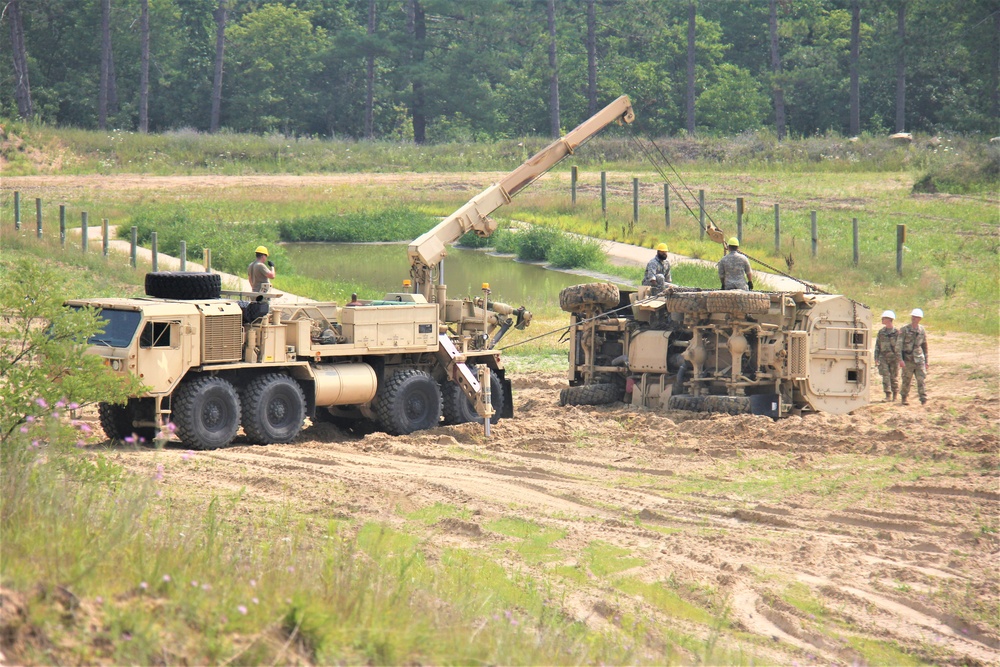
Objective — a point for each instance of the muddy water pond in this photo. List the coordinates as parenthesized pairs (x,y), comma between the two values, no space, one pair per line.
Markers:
(384,266)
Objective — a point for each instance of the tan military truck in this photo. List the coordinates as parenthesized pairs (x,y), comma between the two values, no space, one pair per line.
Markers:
(717,350)
(213,362)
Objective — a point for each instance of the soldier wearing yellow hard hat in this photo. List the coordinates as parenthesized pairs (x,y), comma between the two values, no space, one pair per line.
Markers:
(658,268)
(261,271)
(734,268)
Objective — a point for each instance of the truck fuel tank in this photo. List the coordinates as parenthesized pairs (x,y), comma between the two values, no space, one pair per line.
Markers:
(344,384)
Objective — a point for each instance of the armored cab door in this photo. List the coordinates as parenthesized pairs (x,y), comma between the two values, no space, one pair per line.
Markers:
(160,359)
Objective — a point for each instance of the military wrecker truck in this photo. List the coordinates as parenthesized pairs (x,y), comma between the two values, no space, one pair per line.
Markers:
(726,351)
(213,361)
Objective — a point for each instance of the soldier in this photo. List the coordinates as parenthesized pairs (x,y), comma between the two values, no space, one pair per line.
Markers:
(260,271)
(658,266)
(734,268)
(885,355)
(911,349)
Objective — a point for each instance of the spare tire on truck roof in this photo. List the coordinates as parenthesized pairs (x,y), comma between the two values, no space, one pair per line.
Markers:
(183,285)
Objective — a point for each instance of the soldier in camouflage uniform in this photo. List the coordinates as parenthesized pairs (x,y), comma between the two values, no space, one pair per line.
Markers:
(734,268)
(911,348)
(658,266)
(885,356)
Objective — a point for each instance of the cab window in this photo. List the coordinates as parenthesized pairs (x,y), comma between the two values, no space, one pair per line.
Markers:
(155,334)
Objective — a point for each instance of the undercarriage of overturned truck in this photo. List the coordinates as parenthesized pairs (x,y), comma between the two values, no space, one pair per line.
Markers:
(728,351)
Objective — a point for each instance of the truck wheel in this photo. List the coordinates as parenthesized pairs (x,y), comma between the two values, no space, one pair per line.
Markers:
(274,407)
(116,420)
(736,301)
(685,302)
(206,412)
(686,402)
(410,401)
(183,285)
(600,393)
(576,298)
(458,409)
(727,405)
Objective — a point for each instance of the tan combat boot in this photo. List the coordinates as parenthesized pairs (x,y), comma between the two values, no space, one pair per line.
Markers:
(893,397)
(903,400)
(887,397)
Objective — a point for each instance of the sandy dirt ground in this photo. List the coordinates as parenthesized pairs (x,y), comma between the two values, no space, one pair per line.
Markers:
(886,521)
(887,518)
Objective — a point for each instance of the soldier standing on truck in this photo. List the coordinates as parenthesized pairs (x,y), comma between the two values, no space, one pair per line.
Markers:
(658,266)
(911,348)
(734,268)
(885,355)
(260,271)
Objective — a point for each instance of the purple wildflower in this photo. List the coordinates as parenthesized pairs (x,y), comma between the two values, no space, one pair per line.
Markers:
(242,609)
(42,403)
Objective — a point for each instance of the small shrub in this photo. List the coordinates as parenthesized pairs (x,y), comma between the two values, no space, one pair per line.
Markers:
(569,252)
(533,244)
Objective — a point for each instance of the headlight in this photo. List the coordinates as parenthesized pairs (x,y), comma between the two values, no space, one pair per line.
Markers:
(116,365)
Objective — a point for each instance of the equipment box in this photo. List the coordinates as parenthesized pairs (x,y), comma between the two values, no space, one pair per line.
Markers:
(403,327)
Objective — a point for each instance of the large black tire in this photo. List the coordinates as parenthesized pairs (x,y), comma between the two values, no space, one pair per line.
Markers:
(729,405)
(737,301)
(183,285)
(410,401)
(273,408)
(116,420)
(685,302)
(206,412)
(686,402)
(458,409)
(587,296)
(600,393)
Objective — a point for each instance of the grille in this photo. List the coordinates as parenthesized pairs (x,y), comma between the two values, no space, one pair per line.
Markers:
(798,354)
(222,338)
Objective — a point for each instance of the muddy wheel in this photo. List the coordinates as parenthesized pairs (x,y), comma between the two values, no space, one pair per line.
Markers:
(273,409)
(458,409)
(576,298)
(206,412)
(183,285)
(600,393)
(735,301)
(410,401)
(685,302)
(728,405)
(686,402)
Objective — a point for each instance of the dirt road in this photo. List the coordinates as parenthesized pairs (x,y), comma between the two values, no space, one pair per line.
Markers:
(816,537)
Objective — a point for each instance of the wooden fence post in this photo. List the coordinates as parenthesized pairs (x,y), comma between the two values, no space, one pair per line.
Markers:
(207,259)
(83,231)
(815,233)
(900,240)
(666,203)
(739,218)
(17,210)
(184,255)
(38,216)
(777,228)
(156,259)
(135,241)
(62,225)
(857,241)
(104,236)
(604,198)
(635,203)
(701,213)
(572,183)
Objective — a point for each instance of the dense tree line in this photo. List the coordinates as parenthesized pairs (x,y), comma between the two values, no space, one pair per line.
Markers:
(435,70)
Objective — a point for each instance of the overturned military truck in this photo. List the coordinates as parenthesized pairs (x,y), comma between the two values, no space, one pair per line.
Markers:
(678,348)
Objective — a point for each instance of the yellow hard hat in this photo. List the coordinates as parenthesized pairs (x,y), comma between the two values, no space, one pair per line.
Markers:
(262,250)
(733,242)
(661,247)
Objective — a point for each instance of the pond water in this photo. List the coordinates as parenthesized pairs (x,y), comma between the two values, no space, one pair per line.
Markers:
(384,266)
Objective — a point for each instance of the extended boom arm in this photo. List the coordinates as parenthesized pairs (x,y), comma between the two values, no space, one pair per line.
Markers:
(429,249)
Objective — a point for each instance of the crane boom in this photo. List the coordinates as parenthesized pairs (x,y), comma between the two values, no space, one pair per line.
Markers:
(430,248)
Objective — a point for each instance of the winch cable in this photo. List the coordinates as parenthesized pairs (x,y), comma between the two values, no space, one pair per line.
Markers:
(649,156)
(569,326)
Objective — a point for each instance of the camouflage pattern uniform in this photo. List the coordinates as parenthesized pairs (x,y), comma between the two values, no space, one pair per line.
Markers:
(734,271)
(888,360)
(655,266)
(911,347)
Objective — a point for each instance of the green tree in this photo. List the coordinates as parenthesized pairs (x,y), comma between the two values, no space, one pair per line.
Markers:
(735,102)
